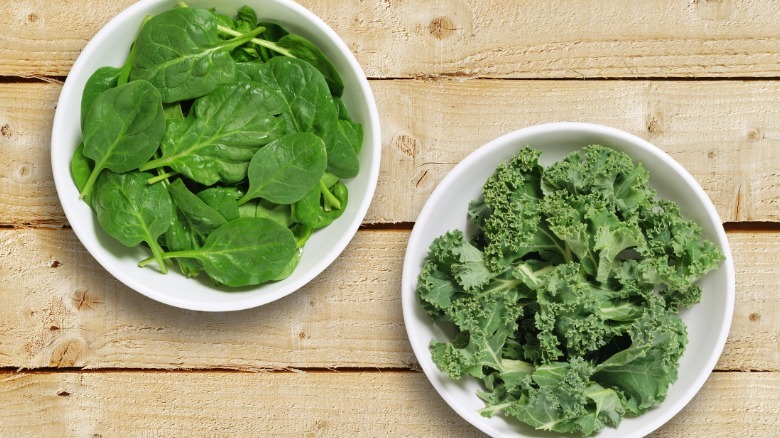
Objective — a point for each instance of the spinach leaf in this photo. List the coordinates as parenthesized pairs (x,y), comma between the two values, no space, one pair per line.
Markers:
(123,129)
(132,211)
(342,109)
(245,251)
(221,134)
(303,49)
(180,236)
(343,142)
(180,53)
(290,268)
(202,217)
(273,32)
(285,170)
(101,80)
(80,170)
(277,212)
(222,199)
(316,211)
(247,15)
(308,104)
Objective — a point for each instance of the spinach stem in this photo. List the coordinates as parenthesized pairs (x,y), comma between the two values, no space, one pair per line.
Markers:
(161,177)
(154,164)
(264,43)
(329,196)
(158,255)
(90,182)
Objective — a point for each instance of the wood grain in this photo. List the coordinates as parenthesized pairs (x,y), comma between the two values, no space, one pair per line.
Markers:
(59,308)
(472,38)
(725,133)
(311,404)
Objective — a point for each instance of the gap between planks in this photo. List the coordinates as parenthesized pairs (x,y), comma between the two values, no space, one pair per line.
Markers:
(729,227)
(6,371)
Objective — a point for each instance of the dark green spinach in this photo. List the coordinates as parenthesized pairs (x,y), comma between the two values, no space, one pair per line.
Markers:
(244,127)
(243,252)
(285,170)
(123,129)
(132,211)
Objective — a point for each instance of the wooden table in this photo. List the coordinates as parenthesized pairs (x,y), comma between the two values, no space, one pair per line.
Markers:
(82,355)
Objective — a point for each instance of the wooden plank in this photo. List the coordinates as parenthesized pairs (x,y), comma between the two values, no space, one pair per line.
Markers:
(724,133)
(59,308)
(312,404)
(472,38)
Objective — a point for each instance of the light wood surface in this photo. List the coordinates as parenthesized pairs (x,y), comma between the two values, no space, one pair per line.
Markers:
(472,38)
(64,311)
(81,355)
(388,403)
(725,133)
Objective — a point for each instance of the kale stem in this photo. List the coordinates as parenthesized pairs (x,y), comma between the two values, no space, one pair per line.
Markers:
(161,177)
(267,44)
(329,196)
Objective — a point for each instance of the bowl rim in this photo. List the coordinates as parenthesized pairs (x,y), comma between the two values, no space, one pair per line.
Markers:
(409,301)
(61,171)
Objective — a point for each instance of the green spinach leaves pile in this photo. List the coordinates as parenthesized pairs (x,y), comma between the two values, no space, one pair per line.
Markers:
(222,144)
(565,301)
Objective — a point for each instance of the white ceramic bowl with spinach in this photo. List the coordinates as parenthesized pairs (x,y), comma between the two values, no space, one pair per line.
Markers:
(448,208)
(111,47)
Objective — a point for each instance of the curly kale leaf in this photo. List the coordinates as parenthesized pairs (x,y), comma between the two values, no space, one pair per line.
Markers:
(564,302)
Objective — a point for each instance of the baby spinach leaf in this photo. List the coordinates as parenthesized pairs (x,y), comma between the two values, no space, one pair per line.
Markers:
(247,15)
(343,142)
(305,50)
(221,134)
(81,169)
(180,53)
(290,268)
(101,80)
(307,103)
(179,237)
(285,170)
(245,251)
(311,211)
(277,212)
(123,129)
(202,217)
(273,32)
(222,199)
(132,211)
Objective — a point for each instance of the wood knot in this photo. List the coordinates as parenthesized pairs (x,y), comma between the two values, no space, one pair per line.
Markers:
(24,171)
(85,299)
(407,145)
(441,27)
(32,17)
(655,124)
(63,393)
(754,317)
(755,135)
(5,131)
(68,353)
(55,264)
(711,155)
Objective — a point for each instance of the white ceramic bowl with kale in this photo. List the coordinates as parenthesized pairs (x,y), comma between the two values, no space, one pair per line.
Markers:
(567,324)
(254,150)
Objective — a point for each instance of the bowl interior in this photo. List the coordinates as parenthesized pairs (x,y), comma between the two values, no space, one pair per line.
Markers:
(110,47)
(708,322)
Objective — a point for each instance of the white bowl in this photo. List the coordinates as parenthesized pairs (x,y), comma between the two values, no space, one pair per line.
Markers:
(110,46)
(708,322)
